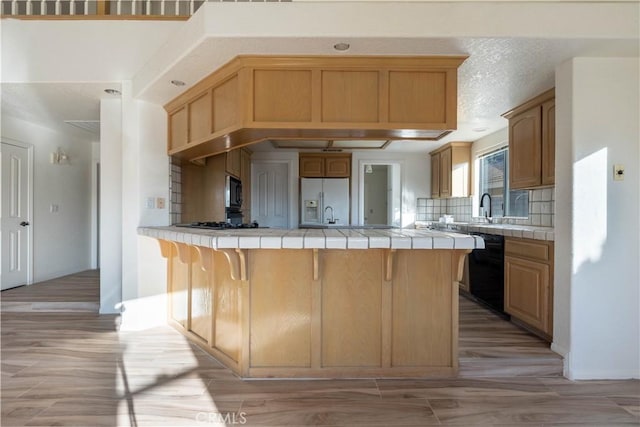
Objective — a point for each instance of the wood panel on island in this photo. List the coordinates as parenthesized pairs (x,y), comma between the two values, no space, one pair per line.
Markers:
(253,98)
(451,170)
(324,313)
(532,142)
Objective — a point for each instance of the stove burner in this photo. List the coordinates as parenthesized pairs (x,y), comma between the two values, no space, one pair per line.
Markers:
(211,225)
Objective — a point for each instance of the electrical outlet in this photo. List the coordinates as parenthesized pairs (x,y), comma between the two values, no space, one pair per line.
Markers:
(151,203)
(160,202)
(618,172)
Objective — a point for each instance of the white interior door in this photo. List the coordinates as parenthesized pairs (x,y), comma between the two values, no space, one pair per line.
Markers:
(16,227)
(376,192)
(270,201)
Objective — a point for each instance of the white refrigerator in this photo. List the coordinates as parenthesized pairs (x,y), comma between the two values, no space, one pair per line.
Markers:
(324,198)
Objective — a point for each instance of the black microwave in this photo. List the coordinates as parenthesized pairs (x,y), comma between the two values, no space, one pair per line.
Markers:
(233,196)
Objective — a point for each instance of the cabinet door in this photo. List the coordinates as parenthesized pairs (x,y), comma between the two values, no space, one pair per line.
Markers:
(445,173)
(311,166)
(549,142)
(200,117)
(337,167)
(418,97)
(350,96)
(178,128)
(234,163)
(460,171)
(282,95)
(435,175)
(527,291)
(525,149)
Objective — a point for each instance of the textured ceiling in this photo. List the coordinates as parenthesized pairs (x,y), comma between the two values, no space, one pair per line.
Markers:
(51,104)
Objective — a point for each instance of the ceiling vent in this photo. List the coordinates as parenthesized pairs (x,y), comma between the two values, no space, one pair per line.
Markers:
(92,126)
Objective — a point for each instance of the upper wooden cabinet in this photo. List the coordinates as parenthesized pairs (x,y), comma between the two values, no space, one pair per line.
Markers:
(253,98)
(178,129)
(549,142)
(451,170)
(532,142)
(325,165)
(233,163)
(435,175)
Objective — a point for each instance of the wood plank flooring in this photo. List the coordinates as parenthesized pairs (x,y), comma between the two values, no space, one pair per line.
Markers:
(77,292)
(75,368)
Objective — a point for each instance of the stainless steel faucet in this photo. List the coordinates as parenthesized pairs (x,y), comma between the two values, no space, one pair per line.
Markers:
(488,217)
(331,221)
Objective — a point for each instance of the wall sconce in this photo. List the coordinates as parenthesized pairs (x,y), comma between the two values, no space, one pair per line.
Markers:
(368,169)
(58,157)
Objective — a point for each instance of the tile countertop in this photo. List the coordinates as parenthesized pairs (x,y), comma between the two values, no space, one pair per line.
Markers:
(510,230)
(333,238)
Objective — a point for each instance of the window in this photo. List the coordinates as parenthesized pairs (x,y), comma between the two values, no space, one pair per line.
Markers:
(494,173)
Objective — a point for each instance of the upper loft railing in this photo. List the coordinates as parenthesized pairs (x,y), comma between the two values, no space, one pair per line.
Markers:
(104,9)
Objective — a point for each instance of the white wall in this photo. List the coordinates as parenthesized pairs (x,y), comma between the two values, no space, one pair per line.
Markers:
(597,248)
(110,205)
(61,240)
(134,167)
(95,203)
(146,293)
(80,50)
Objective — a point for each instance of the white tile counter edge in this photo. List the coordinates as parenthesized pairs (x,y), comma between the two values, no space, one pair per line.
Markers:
(334,238)
(508,230)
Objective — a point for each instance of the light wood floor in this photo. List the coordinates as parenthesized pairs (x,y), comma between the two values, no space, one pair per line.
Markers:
(74,368)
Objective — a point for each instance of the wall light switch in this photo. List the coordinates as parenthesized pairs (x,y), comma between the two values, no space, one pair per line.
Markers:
(160,202)
(618,172)
(151,203)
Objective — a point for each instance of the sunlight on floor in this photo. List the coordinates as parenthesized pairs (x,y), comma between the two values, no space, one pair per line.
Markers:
(150,370)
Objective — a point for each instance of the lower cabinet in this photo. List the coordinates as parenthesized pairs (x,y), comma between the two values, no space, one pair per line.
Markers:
(528,276)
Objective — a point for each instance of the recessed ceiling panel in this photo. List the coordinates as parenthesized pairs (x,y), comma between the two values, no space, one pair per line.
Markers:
(360,144)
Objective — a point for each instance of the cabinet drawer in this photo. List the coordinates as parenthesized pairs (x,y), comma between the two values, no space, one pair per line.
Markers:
(538,250)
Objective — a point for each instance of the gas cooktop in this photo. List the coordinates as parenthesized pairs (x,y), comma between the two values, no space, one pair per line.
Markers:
(210,225)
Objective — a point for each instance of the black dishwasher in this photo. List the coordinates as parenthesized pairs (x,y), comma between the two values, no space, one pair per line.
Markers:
(486,273)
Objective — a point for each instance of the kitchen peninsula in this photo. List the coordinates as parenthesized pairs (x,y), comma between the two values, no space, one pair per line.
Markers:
(324,303)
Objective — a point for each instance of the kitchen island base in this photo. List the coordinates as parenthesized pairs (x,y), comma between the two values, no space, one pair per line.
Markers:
(319,313)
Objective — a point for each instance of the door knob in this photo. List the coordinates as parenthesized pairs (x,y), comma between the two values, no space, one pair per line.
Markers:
(24,223)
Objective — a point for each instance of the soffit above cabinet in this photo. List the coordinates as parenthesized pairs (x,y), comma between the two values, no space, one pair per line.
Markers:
(336,100)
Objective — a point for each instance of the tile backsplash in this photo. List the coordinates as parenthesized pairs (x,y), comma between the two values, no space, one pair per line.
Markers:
(175,209)
(541,209)
(432,209)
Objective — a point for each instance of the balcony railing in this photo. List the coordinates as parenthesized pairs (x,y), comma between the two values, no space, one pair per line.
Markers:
(104,9)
